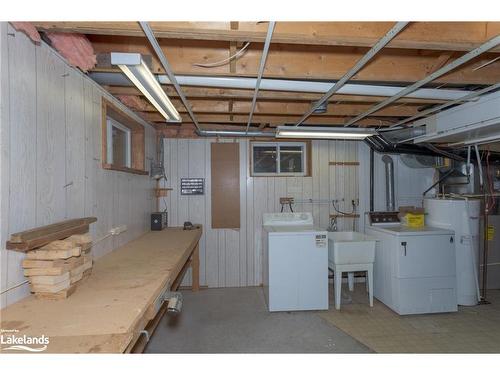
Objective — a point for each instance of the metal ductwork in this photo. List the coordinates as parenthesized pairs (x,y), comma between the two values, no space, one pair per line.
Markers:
(390,200)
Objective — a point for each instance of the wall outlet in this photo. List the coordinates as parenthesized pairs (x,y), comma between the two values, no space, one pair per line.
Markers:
(117,230)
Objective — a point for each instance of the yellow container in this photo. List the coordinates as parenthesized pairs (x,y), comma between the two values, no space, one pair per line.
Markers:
(414,220)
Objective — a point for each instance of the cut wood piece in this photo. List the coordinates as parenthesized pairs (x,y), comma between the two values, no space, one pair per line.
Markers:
(40,241)
(67,264)
(80,269)
(49,280)
(59,245)
(49,271)
(53,254)
(52,229)
(74,279)
(63,294)
(80,239)
(40,288)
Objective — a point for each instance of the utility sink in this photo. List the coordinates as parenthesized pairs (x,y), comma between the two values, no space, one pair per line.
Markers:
(350,248)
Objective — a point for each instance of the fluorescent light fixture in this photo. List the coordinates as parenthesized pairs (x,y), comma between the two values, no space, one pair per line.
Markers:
(322,132)
(138,72)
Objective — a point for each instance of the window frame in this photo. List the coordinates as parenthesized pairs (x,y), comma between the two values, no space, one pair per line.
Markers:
(278,144)
(136,133)
(112,123)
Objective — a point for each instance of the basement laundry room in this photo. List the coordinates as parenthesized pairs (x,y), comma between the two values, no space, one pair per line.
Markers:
(249,185)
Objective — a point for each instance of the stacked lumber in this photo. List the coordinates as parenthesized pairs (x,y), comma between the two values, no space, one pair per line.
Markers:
(55,269)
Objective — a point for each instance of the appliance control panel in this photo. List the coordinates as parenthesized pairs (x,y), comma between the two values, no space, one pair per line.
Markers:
(378,218)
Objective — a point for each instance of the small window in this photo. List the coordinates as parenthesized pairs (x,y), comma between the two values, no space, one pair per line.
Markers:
(123,147)
(278,158)
(119,144)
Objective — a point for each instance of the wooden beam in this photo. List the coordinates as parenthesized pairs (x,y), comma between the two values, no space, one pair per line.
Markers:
(302,61)
(442,36)
(285,108)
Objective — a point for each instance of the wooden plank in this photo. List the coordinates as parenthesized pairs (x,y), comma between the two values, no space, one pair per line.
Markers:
(62,294)
(114,299)
(225,185)
(40,241)
(53,254)
(50,229)
(44,288)
(50,280)
(419,35)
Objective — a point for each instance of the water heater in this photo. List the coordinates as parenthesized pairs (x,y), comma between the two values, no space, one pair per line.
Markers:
(461,216)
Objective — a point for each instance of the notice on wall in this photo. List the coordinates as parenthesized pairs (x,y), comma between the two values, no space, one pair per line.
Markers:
(490,233)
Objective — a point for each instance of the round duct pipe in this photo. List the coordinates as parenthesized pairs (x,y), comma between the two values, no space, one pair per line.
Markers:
(389,183)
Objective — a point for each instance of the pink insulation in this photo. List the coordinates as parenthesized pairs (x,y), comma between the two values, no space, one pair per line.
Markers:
(28,29)
(134,102)
(75,48)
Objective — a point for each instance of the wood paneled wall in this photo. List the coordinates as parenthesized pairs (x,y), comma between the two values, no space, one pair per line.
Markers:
(50,159)
(233,257)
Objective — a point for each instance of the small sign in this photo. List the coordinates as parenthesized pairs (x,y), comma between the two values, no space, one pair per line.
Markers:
(321,240)
(192,186)
(491,232)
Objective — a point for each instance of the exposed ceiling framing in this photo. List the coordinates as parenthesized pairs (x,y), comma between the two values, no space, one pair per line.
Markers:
(298,50)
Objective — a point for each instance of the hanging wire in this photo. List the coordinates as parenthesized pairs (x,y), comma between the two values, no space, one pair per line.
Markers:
(225,61)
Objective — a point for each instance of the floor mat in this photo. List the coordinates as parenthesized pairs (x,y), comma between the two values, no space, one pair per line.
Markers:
(470,330)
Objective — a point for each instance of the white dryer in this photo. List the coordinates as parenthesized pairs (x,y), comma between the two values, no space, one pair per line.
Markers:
(295,262)
(414,270)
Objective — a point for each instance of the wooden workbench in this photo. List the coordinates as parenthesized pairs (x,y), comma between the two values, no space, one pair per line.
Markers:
(109,309)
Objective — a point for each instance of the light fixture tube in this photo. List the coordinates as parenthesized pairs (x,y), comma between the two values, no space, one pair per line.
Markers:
(139,74)
(322,132)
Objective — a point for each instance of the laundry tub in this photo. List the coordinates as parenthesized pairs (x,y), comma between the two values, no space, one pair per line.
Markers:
(351,252)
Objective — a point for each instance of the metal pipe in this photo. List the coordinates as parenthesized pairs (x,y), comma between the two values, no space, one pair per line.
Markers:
(484,280)
(493,42)
(263,59)
(446,105)
(389,183)
(234,133)
(164,62)
(441,179)
(118,79)
(372,178)
(382,42)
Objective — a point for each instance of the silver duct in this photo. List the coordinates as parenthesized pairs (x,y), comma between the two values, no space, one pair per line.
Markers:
(389,183)
(234,133)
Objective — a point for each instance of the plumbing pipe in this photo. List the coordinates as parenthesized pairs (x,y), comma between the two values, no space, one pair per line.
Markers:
(480,170)
(263,59)
(389,183)
(234,133)
(381,43)
(492,43)
(118,79)
(372,178)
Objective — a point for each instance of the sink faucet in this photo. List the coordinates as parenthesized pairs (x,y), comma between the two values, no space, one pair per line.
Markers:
(333,225)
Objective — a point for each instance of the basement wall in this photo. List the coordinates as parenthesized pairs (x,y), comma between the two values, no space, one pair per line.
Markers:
(50,156)
(231,258)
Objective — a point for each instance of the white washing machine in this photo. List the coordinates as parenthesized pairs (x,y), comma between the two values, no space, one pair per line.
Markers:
(295,262)
(414,270)
(461,216)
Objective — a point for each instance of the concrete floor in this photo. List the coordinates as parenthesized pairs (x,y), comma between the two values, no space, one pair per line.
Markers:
(235,320)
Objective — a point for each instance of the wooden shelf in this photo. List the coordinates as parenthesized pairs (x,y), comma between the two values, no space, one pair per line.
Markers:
(344,163)
(162,192)
(124,169)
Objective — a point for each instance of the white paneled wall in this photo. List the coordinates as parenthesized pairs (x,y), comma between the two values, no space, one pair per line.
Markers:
(233,257)
(50,160)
